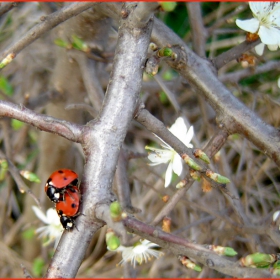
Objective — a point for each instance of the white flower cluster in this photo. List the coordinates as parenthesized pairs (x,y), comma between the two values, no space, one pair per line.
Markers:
(53,229)
(141,252)
(265,23)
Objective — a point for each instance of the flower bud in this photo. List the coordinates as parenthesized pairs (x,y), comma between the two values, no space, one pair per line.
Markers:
(8,59)
(217,177)
(223,251)
(181,184)
(116,211)
(166,224)
(189,264)
(165,52)
(168,6)
(198,153)
(165,198)
(191,163)
(153,46)
(258,260)
(112,241)
(195,175)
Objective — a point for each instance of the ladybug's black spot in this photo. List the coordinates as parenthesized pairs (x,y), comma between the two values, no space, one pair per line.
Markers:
(65,178)
(73,205)
(60,171)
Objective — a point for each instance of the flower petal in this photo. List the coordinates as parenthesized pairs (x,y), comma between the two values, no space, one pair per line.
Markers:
(179,128)
(249,25)
(160,156)
(188,137)
(40,214)
(168,175)
(272,47)
(177,164)
(260,48)
(260,9)
(52,217)
(269,35)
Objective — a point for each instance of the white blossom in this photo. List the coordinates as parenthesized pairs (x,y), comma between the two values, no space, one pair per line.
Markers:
(168,154)
(53,229)
(266,23)
(141,252)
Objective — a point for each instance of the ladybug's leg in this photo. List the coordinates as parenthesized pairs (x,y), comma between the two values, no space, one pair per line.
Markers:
(69,191)
(62,195)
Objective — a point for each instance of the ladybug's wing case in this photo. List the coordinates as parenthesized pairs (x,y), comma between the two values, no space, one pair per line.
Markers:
(70,205)
(62,178)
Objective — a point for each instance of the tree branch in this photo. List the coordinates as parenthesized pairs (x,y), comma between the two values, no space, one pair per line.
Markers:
(102,140)
(6,7)
(46,123)
(232,115)
(180,246)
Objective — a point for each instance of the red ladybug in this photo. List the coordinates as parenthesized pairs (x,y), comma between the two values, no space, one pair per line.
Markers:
(68,209)
(57,183)
(67,222)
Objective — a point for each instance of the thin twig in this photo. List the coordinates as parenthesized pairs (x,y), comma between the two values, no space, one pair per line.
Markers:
(236,76)
(48,23)
(84,107)
(199,33)
(92,84)
(169,93)
(63,128)
(233,53)
(6,7)
(22,187)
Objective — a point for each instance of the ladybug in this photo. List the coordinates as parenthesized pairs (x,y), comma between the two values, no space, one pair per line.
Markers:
(67,222)
(70,205)
(57,183)
(68,208)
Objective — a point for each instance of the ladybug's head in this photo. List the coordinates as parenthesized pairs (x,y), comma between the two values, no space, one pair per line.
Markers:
(53,194)
(67,222)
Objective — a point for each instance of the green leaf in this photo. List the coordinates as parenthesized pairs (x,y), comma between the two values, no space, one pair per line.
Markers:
(28,234)
(61,43)
(16,124)
(38,266)
(79,44)
(168,75)
(5,86)
(32,177)
(3,170)
(163,98)
(178,19)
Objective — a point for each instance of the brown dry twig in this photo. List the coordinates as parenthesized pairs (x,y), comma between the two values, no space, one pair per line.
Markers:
(48,23)
(43,122)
